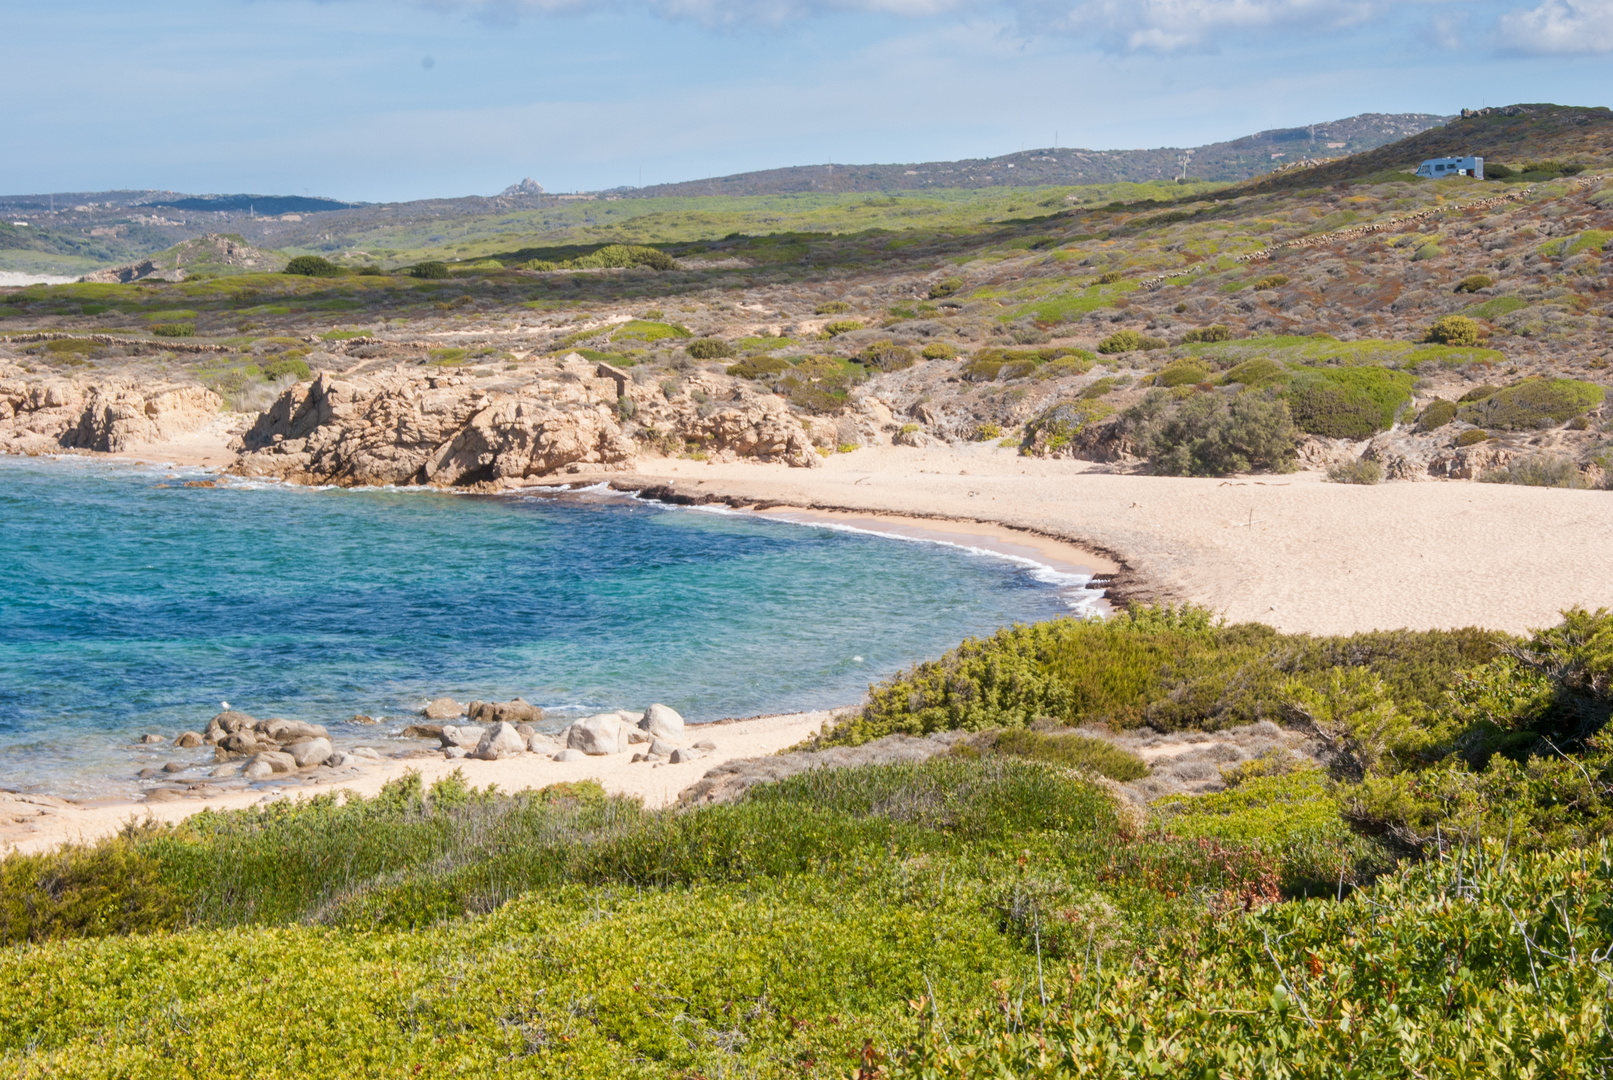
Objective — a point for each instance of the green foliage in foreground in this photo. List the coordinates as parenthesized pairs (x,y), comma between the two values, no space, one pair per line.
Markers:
(1483,964)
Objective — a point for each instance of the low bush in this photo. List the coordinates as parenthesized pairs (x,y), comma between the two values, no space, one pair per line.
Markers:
(1213,333)
(294,366)
(985,432)
(312,266)
(820,384)
(1185,371)
(759,367)
(842,326)
(709,349)
(1212,434)
(1472,437)
(1124,341)
(1533,404)
(1100,387)
(178,329)
(1430,250)
(1358,471)
(429,271)
(1347,402)
(1478,393)
(939,350)
(1538,470)
(1259,372)
(1474,283)
(1271,281)
(1073,751)
(648,330)
(832,307)
(988,365)
(1454,330)
(945,287)
(885,356)
(1436,414)
(1055,427)
(1111,277)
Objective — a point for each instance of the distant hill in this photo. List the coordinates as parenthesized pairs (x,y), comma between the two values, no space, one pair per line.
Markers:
(1238,159)
(1513,135)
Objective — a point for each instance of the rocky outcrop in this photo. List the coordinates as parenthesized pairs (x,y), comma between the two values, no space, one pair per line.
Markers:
(439,430)
(38,414)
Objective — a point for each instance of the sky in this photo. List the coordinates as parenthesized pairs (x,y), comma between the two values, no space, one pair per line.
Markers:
(382,100)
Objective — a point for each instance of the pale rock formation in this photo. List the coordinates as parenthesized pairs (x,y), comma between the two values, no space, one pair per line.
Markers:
(111,415)
(443,708)
(596,735)
(662,722)
(501,741)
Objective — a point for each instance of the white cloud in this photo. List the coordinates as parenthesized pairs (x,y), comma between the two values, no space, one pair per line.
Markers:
(1558,28)
(1173,25)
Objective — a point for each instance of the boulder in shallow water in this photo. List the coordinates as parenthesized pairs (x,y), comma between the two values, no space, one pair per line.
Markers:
(189,739)
(423,731)
(239,742)
(231,721)
(151,737)
(662,722)
(596,735)
(517,711)
(362,718)
(309,752)
(443,708)
(570,755)
(501,741)
(464,735)
(257,770)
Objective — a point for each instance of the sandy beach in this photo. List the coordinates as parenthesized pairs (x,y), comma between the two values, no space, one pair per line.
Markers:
(1293,551)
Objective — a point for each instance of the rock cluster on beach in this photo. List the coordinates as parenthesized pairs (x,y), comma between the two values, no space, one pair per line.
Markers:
(38,415)
(454,430)
(507,731)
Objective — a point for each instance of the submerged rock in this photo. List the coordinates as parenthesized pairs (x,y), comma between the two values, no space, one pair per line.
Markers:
(443,708)
(190,739)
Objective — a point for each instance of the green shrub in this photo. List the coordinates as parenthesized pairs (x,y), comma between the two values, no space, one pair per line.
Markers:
(622,256)
(371,270)
(885,356)
(1430,250)
(945,287)
(988,365)
(1212,434)
(1259,372)
(986,431)
(842,326)
(939,350)
(1473,283)
(1532,404)
(758,367)
(178,329)
(1185,371)
(1347,402)
(312,266)
(1080,752)
(1472,437)
(430,271)
(648,330)
(709,349)
(1100,387)
(1436,414)
(1454,330)
(1216,332)
(1112,277)
(1052,429)
(1124,341)
(1478,393)
(832,307)
(1271,281)
(1358,471)
(288,365)
(820,384)
(1538,470)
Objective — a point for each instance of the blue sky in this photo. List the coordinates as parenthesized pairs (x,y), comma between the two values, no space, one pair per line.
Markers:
(398,99)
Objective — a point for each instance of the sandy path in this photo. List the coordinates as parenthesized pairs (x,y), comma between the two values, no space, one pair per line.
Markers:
(1293,551)
(32,823)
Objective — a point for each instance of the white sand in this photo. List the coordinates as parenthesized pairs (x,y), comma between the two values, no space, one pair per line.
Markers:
(1295,551)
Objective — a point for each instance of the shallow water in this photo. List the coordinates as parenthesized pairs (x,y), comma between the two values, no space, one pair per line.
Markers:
(131,603)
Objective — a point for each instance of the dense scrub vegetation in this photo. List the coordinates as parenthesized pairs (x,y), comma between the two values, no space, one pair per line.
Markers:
(1434,891)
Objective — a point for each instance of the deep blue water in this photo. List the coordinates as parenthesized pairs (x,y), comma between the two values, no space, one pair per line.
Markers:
(130,603)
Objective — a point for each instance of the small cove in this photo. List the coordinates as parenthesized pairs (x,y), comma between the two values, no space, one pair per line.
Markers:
(132,603)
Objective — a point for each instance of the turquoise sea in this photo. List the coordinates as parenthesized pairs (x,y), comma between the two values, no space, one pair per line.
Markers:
(130,603)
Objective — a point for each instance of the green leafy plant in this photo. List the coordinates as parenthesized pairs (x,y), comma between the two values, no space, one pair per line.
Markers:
(1472,437)
(709,349)
(1124,341)
(939,350)
(1212,333)
(1055,427)
(1454,330)
(884,356)
(312,266)
(429,271)
(1436,414)
(948,286)
(1474,283)
(832,307)
(1212,434)
(842,326)
(1356,471)
(180,329)
(1185,371)
(1270,281)
(1532,404)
